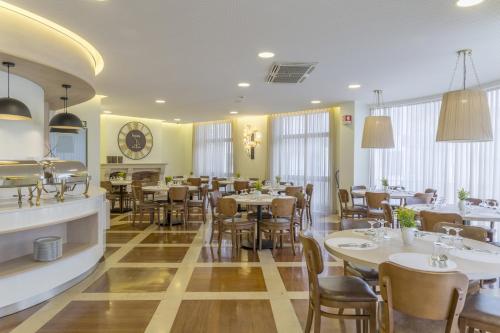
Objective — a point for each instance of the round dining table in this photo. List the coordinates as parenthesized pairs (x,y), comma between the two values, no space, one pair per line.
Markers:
(473,267)
(163,189)
(393,194)
(122,190)
(471,213)
(259,201)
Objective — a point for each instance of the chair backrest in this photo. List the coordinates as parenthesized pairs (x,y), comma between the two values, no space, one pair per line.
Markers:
(194,181)
(178,193)
(301,200)
(426,295)
(474,201)
(430,219)
(283,207)
(471,232)
(352,224)
(309,191)
(214,198)
(106,184)
(357,187)
(431,190)
(204,193)
(292,190)
(388,213)
(419,199)
(227,207)
(138,193)
(343,197)
(314,260)
(215,185)
(374,199)
(240,185)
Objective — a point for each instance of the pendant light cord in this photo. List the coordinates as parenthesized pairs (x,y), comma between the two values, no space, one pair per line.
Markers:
(465,67)
(464,54)
(8,81)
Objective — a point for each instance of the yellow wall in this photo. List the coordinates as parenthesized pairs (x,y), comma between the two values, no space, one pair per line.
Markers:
(242,162)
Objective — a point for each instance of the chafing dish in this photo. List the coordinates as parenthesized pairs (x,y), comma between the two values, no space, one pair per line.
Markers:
(65,175)
(19,174)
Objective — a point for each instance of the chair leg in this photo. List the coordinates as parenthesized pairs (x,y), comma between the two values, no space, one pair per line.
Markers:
(292,241)
(254,237)
(461,325)
(317,318)
(358,321)
(373,318)
(260,240)
(309,319)
(141,214)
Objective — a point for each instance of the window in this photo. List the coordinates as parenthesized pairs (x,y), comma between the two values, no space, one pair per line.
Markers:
(418,161)
(300,153)
(213,149)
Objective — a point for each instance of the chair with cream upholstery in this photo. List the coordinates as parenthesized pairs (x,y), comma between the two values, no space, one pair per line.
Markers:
(430,219)
(230,223)
(475,233)
(345,209)
(281,222)
(481,312)
(335,292)
(417,301)
(374,203)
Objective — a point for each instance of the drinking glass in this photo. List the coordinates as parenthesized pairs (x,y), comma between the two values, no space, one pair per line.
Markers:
(372,223)
(447,229)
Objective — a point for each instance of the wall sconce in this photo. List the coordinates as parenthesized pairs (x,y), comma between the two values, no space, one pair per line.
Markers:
(251,139)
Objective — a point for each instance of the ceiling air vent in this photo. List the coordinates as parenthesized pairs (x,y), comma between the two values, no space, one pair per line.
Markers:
(292,72)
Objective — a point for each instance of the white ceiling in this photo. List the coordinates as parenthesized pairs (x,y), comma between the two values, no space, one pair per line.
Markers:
(193,53)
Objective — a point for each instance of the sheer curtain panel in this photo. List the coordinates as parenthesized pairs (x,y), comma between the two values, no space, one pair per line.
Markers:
(418,161)
(213,149)
(300,153)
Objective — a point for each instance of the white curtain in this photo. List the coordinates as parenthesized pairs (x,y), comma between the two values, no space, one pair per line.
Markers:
(300,153)
(418,161)
(213,149)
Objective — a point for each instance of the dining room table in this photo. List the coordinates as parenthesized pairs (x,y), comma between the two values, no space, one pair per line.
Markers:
(471,213)
(259,201)
(121,184)
(163,189)
(477,260)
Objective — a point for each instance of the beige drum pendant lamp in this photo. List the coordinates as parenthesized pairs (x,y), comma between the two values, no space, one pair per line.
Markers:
(465,114)
(377,132)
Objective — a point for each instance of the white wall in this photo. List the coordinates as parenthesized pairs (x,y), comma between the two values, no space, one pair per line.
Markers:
(23,139)
(177,148)
(90,112)
(361,155)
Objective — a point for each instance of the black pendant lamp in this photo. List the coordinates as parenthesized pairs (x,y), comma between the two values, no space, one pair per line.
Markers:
(65,120)
(11,108)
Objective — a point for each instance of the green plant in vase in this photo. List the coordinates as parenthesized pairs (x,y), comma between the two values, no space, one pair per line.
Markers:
(462,195)
(385,183)
(408,225)
(238,175)
(168,179)
(278,180)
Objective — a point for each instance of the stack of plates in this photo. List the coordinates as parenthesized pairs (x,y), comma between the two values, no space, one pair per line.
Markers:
(47,248)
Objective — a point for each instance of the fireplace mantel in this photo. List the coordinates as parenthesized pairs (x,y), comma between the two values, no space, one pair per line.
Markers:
(130,168)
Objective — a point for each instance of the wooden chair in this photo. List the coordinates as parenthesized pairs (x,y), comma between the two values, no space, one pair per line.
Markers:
(200,204)
(476,233)
(355,196)
(433,191)
(215,185)
(293,190)
(374,203)
(345,209)
(335,292)
(309,193)
(419,199)
(194,181)
(141,206)
(230,223)
(241,185)
(388,214)
(110,195)
(481,312)
(177,202)
(474,201)
(280,223)
(221,186)
(430,219)
(214,198)
(300,208)
(418,301)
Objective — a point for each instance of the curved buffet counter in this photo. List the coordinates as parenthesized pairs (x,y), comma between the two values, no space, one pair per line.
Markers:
(79,220)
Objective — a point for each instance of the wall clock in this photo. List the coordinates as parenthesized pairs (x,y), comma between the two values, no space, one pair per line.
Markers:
(135,140)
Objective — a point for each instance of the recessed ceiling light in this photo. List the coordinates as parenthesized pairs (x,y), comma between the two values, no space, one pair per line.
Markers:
(468,3)
(266,55)
(233,112)
(243,84)
(177,119)
(160,101)
(107,111)
(354,86)
(315,102)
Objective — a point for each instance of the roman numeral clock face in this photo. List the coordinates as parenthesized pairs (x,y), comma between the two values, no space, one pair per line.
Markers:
(135,140)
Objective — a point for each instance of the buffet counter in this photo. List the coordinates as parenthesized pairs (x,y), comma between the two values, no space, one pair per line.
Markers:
(80,222)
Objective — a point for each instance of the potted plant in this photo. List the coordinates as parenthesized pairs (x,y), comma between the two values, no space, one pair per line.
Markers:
(406,219)
(278,180)
(385,183)
(258,187)
(168,180)
(237,175)
(462,196)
